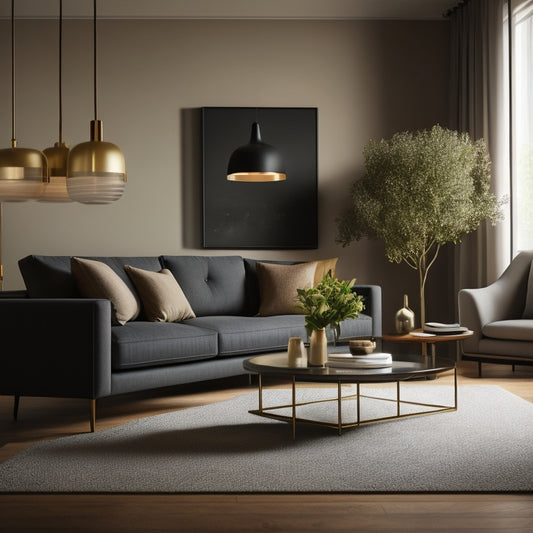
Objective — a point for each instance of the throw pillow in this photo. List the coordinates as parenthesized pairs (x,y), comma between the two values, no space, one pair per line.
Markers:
(278,284)
(161,296)
(95,279)
(323,266)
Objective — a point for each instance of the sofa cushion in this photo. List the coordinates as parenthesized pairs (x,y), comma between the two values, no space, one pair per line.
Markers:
(278,286)
(213,285)
(50,276)
(161,296)
(147,344)
(95,279)
(241,335)
(323,266)
(517,330)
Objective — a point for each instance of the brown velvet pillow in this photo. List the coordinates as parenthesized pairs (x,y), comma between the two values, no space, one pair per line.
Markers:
(278,284)
(95,279)
(323,266)
(162,297)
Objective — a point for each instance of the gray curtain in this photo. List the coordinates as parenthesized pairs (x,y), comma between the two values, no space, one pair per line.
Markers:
(479,106)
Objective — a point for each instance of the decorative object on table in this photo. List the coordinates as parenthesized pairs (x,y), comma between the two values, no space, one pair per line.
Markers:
(296,353)
(327,304)
(405,318)
(276,215)
(438,328)
(361,347)
(420,191)
(348,360)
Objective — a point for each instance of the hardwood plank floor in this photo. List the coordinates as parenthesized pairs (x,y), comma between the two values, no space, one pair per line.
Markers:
(44,418)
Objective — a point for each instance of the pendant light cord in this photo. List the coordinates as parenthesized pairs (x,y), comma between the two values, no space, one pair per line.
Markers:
(13,138)
(94,62)
(60,71)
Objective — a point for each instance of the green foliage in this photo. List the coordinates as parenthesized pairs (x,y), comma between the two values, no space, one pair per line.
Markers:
(420,190)
(329,303)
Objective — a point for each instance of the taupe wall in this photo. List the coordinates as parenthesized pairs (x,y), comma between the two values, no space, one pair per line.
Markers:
(368,79)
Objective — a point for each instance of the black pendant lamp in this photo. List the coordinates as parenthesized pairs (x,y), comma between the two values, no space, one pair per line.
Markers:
(256,161)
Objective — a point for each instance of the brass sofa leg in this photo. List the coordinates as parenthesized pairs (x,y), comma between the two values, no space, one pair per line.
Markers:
(16,401)
(92,416)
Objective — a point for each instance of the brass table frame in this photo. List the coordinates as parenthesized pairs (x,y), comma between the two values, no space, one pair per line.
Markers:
(340,425)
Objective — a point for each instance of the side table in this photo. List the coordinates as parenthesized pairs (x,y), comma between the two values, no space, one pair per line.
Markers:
(418,336)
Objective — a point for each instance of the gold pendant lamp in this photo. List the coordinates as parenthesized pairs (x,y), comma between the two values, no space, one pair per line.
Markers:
(255,161)
(96,171)
(56,188)
(23,171)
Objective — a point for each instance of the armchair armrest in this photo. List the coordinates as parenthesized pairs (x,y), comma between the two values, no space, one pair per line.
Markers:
(55,347)
(372,299)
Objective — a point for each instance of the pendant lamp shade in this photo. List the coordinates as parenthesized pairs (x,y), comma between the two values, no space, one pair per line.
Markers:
(96,172)
(22,170)
(256,161)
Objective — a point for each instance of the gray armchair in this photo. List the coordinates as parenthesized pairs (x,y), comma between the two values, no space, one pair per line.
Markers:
(501,316)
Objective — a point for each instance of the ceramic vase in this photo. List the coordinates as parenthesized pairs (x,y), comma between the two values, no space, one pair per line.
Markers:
(405,318)
(318,348)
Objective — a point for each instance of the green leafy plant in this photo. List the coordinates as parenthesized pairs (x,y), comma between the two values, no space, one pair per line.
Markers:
(420,191)
(329,303)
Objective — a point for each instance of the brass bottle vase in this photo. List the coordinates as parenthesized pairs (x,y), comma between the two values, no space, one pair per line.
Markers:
(405,318)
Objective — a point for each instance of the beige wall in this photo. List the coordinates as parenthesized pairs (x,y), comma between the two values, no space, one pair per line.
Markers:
(368,79)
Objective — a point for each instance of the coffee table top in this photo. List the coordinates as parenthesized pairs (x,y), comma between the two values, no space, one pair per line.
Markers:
(277,364)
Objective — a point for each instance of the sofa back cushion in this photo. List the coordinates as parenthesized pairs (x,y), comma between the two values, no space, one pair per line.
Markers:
(213,285)
(50,276)
(528,308)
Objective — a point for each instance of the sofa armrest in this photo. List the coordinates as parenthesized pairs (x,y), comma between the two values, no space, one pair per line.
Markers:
(372,299)
(55,347)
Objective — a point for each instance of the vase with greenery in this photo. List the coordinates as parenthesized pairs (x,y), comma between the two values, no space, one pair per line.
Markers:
(420,191)
(327,304)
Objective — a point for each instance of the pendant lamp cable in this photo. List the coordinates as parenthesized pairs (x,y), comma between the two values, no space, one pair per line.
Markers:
(94,62)
(60,71)
(13,138)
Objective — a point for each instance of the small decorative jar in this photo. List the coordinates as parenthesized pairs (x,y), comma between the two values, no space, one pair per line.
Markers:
(405,318)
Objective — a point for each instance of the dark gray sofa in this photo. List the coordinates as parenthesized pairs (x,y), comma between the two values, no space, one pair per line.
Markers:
(56,344)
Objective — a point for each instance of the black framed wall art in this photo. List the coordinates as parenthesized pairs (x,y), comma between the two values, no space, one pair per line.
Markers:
(272,215)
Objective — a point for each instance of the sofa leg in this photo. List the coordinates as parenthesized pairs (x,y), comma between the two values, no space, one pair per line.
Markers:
(16,401)
(92,415)
(513,367)
(479,372)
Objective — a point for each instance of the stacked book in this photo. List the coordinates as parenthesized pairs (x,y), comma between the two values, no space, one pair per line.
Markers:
(347,360)
(438,328)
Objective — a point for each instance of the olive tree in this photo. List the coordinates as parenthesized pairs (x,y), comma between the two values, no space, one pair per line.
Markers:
(420,191)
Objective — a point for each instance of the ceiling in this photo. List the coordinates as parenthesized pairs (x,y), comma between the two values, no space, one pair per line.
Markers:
(233,9)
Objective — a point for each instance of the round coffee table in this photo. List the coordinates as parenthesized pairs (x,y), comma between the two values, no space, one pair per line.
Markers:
(277,365)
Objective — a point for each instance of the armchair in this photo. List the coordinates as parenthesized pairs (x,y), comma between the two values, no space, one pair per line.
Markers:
(501,317)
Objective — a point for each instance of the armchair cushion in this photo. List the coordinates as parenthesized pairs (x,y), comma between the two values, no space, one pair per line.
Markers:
(528,309)
(518,330)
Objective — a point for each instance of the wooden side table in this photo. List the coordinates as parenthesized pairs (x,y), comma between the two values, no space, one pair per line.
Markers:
(418,336)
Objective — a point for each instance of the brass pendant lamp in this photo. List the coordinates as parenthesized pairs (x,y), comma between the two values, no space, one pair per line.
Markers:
(23,171)
(256,161)
(56,188)
(96,171)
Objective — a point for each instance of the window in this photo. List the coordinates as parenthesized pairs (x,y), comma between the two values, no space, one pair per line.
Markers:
(522,125)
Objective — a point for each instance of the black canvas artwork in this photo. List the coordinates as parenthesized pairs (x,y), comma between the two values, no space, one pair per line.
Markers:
(273,215)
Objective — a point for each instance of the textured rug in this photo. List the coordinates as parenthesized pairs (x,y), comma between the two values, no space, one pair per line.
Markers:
(484,446)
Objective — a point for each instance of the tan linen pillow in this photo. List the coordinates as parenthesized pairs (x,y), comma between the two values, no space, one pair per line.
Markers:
(95,279)
(162,297)
(278,284)
(323,266)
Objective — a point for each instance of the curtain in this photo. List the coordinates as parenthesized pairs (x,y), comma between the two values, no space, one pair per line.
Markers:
(479,80)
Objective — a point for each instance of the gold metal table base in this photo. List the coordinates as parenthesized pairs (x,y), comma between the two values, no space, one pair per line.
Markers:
(340,425)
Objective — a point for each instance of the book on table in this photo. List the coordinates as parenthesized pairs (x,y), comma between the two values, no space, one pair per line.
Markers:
(347,360)
(439,328)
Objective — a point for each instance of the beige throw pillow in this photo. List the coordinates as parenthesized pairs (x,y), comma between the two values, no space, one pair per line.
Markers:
(278,284)
(323,266)
(162,297)
(95,279)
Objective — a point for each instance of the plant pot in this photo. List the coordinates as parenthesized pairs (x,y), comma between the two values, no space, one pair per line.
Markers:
(318,348)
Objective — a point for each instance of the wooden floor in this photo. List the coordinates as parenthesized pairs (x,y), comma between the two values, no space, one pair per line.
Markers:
(41,418)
